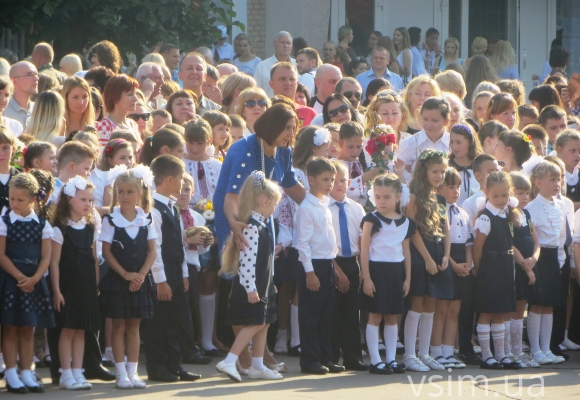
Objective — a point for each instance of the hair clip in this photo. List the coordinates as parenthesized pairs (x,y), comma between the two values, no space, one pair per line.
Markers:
(70,188)
(41,194)
(259,178)
(321,136)
(427,154)
(144,173)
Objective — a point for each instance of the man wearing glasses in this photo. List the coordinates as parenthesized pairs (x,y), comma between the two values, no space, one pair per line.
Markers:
(24,76)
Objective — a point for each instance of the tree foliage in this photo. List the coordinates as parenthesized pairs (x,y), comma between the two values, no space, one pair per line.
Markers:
(130,24)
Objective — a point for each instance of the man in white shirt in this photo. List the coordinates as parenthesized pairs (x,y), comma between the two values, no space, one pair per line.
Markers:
(222,50)
(193,73)
(307,61)
(24,76)
(282,50)
(327,76)
(380,60)
(150,78)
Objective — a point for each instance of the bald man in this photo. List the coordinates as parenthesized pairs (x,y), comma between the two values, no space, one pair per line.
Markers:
(150,78)
(226,69)
(24,77)
(193,73)
(42,56)
(327,76)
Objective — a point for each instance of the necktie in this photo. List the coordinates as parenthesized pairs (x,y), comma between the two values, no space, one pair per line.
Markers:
(187,222)
(344,238)
(568,234)
(202,180)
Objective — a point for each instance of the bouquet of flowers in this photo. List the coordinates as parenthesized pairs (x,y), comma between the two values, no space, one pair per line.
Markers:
(17,160)
(205,208)
(381,145)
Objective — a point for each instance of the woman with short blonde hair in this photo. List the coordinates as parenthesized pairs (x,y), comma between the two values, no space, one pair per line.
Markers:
(415,94)
(504,61)
(232,87)
(450,53)
(71,64)
(252,102)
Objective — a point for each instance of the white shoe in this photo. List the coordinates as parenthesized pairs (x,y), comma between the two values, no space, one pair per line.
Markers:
(264,374)
(242,371)
(123,382)
(570,345)
(541,359)
(456,363)
(414,364)
(477,349)
(70,384)
(230,370)
(525,347)
(562,347)
(137,382)
(431,363)
(81,380)
(445,362)
(526,361)
(281,346)
(554,358)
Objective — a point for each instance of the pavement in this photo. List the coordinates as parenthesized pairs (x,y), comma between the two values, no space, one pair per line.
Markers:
(551,382)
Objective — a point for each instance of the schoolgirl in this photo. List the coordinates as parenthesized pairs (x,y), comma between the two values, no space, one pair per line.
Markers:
(116,152)
(221,139)
(41,155)
(493,256)
(386,269)
(165,141)
(25,300)
(464,148)
(429,257)
(7,146)
(73,272)
(549,216)
(127,289)
(513,150)
(252,304)
(488,135)
(503,107)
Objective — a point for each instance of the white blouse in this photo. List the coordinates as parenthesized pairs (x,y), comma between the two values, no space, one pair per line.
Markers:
(212,169)
(387,237)
(131,227)
(549,218)
(483,223)
(46,231)
(57,235)
(459,225)
(247,270)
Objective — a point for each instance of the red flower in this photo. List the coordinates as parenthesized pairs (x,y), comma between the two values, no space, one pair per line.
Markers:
(24,152)
(382,138)
(372,147)
(391,139)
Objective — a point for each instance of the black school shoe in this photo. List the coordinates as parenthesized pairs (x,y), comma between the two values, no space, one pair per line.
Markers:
(355,366)
(334,368)
(397,368)
(294,351)
(493,366)
(470,359)
(380,369)
(317,369)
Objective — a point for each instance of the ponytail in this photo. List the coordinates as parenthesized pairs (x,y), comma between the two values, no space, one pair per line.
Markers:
(153,144)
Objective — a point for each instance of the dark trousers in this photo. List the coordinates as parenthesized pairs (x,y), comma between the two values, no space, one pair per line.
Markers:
(345,319)
(170,326)
(92,358)
(559,326)
(466,315)
(315,315)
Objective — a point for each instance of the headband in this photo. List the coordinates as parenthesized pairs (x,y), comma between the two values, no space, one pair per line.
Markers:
(110,147)
(464,128)
(432,153)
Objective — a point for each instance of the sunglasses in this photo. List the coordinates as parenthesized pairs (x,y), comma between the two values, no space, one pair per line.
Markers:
(349,94)
(340,110)
(144,116)
(253,103)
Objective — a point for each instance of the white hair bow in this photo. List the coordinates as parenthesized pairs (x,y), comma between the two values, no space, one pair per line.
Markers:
(321,136)
(529,165)
(115,172)
(144,173)
(70,188)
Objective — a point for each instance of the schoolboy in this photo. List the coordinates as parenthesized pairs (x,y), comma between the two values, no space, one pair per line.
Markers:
(483,165)
(74,158)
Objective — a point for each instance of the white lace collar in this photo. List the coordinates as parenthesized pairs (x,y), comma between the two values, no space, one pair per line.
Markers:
(120,221)
(79,225)
(572,178)
(16,217)
(259,217)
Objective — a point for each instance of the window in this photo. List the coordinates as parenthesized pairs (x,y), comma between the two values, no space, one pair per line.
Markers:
(488,18)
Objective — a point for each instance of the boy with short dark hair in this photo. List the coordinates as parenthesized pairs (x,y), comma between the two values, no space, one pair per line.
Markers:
(528,114)
(483,165)
(539,138)
(172,316)
(74,158)
(553,120)
(316,244)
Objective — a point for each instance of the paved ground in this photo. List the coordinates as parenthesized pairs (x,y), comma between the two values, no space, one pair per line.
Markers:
(559,382)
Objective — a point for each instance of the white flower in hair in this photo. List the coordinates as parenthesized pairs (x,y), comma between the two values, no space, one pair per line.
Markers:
(70,188)
(529,165)
(259,178)
(115,172)
(405,195)
(144,173)
(480,203)
(371,195)
(321,136)
(210,150)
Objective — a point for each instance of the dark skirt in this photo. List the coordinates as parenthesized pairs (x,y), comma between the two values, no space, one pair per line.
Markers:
(460,285)
(547,291)
(389,297)
(243,313)
(440,285)
(286,267)
(118,302)
(494,285)
(25,309)
(525,246)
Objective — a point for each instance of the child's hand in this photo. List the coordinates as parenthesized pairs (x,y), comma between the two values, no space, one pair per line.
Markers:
(461,269)
(185,284)
(406,287)
(399,167)
(342,282)
(531,277)
(58,300)
(529,263)
(431,267)
(277,251)
(164,292)
(312,282)
(27,284)
(444,264)
(253,297)
(198,239)
(369,287)
(134,277)
(208,241)
(134,286)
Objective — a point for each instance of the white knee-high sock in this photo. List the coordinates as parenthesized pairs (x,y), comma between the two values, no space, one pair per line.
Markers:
(516,333)
(533,325)
(546,332)
(507,344)
(425,328)
(373,344)
(498,335)
(294,326)
(411,325)
(390,338)
(207,314)
(483,337)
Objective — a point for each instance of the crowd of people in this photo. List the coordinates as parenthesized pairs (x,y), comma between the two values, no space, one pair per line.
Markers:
(210,204)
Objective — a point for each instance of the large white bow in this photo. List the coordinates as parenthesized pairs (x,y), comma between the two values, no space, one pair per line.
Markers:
(70,188)
(144,173)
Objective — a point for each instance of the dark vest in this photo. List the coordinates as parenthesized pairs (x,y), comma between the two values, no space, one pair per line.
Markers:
(4,190)
(500,236)
(172,252)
